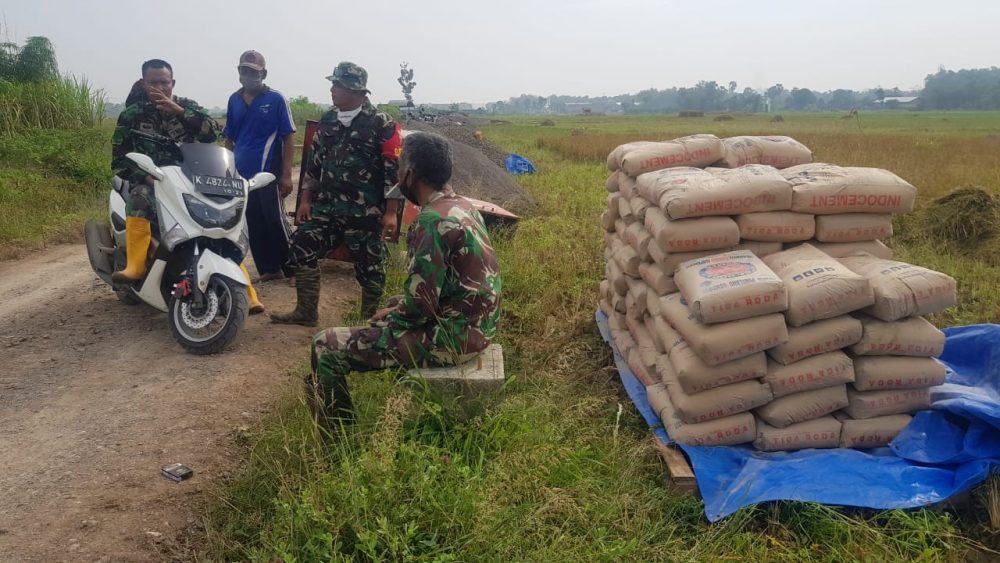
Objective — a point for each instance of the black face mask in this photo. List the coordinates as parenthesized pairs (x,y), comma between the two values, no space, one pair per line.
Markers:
(409,192)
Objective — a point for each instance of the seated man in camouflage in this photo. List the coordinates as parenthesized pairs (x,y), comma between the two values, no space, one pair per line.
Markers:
(451,298)
(152,108)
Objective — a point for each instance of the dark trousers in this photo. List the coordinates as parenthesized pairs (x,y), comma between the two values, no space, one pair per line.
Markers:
(267,230)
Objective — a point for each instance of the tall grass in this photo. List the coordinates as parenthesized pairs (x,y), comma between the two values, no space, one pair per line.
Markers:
(549,471)
(63,103)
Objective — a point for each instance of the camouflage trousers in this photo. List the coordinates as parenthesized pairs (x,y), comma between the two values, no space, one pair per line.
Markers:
(141,202)
(338,351)
(323,234)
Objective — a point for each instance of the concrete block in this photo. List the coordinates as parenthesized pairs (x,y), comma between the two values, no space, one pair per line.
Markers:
(482,375)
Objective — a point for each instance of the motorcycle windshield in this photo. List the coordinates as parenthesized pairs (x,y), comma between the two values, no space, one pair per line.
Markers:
(204,159)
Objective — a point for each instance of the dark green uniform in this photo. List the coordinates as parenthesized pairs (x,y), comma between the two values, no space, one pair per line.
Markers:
(195,126)
(447,314)
(348,174)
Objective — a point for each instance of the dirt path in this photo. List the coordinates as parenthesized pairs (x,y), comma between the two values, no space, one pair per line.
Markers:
(96,396)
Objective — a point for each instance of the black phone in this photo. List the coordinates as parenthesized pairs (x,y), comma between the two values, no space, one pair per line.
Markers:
(177,472)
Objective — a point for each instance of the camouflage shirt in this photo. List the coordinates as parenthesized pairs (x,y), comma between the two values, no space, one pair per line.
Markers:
(351,168)
(195,126)
(453,284)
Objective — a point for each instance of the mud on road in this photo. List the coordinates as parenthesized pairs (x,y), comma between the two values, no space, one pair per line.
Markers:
(96,396)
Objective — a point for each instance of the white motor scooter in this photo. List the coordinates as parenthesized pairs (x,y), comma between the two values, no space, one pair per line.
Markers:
(193,266)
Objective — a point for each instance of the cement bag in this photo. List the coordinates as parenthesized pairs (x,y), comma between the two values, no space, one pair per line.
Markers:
(903,290)
(637,363)
(825,189)
(727,431)
(639,206)
(624,342)
(691,192)
(819,287)
(817,338)
(729,287)
(761,249)
(670,260)
(842,249)
(869,404)
(690,235)
(635,299)
(822,432)
(871,433)
(913,336)
(715,403)
(776,226)
(619,303)
(807,405)
(625,211)
(615,156)
(657,396)
(611,184)
(616,321)
(613,200)
(853,227)
(658,280)
(649,323)
(639,239)
(724,342)
(874,373)
(626,186)
(694,150)
(776,151)
(608,221)
(817,372)
(615,275)
(693,374)
(628,259)
(605,291)
(652,305)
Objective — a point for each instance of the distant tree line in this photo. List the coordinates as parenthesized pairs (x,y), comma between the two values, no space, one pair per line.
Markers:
(977,89)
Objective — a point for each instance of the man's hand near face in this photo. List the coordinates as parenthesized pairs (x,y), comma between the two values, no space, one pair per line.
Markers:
(164,103)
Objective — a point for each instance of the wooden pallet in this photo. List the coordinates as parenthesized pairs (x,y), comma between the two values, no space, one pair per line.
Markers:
(681,474)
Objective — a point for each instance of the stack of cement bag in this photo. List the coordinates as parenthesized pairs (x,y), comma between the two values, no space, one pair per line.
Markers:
(853,207)
(894,364)
(752,348)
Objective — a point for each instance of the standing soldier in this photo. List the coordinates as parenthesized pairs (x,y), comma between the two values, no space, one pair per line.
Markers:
(450,306)
(156,111)
(261,133)
(343,197)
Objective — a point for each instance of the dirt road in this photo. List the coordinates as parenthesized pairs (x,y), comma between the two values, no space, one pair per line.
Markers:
(96,396)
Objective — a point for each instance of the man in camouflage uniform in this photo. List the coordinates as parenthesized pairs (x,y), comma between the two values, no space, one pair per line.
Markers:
(450,305)
(155,110)
(343,198)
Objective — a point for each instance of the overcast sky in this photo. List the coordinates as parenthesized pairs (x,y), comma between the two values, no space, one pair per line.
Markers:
(485,51)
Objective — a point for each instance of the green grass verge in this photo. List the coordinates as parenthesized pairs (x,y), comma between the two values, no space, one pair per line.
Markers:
(51,181)
(558,469)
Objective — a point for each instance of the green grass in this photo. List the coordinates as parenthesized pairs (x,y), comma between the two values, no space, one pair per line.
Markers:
(61,103)
(560,468)
(51,181)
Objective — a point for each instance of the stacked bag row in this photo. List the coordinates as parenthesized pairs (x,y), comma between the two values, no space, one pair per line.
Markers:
(751,349)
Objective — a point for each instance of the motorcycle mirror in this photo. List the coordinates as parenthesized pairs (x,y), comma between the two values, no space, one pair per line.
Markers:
(260,180)
(146,164)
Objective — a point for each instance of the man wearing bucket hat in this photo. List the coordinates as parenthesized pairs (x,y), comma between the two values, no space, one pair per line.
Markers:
(261,133)
(346,197)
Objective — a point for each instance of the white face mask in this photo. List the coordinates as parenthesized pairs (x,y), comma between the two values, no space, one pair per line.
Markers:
(346,117)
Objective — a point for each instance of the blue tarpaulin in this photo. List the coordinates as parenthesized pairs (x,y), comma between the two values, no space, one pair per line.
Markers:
(942,452)
(517,164)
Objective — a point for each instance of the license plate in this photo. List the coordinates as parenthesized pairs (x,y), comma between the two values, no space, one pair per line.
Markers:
(216,185)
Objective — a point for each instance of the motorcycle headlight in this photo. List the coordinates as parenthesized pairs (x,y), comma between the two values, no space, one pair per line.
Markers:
(211,217)
(174,236)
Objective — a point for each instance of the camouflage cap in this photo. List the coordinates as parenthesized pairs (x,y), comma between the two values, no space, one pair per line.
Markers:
(252,59)
(350,76)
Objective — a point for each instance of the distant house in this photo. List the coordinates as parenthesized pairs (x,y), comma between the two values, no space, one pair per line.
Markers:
(900,102)
(587,108)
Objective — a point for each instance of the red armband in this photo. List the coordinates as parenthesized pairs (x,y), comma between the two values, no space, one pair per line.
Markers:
(393,147)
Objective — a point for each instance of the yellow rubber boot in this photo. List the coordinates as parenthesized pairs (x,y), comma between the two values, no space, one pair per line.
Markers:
(256,307)
(138,235)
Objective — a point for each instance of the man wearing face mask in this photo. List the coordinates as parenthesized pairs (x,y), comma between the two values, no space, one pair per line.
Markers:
(345,197)
(450,306)
(261,133)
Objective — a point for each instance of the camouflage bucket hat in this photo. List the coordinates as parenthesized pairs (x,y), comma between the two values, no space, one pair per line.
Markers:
(350,76)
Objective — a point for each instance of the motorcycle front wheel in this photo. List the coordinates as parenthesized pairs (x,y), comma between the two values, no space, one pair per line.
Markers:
(212,327)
